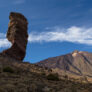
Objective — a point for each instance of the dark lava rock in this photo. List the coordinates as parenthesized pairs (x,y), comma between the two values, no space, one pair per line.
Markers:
(17,35)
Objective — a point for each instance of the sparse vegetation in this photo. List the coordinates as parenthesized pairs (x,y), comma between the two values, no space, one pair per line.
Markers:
(54,77)
(43,74)
(19,79)
(8,69)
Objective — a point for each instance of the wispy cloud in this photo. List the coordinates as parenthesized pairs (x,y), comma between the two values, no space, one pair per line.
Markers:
(6,3)
(73,34)
(19,1)
(3,41)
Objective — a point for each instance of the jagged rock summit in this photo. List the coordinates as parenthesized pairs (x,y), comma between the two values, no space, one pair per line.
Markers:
(17,35)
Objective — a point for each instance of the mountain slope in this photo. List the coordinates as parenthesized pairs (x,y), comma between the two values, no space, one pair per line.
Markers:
(18,76)
(77,63)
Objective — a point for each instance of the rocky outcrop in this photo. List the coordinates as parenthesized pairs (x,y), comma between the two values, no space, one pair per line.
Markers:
(17,35)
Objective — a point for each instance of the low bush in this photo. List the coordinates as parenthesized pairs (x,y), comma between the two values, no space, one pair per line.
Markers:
(8,69)
(54,77)
(43,74)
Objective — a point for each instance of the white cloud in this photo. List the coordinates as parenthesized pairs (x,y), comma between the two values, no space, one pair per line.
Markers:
(3,41)
(73,34)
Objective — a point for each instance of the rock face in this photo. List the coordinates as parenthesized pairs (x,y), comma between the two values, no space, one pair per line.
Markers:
(17,35)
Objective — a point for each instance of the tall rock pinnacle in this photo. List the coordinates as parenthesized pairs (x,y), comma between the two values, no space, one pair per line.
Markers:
(17,35)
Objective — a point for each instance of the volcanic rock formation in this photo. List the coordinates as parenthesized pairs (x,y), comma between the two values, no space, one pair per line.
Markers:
(76,63)
(17,35)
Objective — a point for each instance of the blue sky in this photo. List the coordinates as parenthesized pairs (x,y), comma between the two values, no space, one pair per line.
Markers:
(56,27)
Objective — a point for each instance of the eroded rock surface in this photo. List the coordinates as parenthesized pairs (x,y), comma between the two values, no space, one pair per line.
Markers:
(17,35)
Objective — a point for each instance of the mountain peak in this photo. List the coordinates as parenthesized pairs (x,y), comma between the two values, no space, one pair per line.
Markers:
(75,53)
(76,63)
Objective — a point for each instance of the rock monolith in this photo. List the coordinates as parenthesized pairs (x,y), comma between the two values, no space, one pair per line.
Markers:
(17,35)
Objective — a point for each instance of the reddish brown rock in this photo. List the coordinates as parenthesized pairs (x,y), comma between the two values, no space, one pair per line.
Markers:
(17,35)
